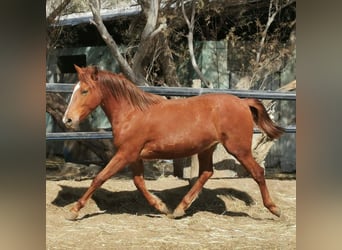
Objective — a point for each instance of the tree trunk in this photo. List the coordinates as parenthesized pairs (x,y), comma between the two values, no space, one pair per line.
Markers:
(113,47)
(167,63)
(136,73)
(147,44)
(191,25)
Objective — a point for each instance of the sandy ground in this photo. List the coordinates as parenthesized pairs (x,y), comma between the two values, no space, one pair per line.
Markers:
(227,215)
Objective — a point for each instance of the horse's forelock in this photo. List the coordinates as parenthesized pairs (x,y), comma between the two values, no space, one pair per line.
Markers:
(89,76)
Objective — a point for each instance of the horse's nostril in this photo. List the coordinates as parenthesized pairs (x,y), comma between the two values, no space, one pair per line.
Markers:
(67,121)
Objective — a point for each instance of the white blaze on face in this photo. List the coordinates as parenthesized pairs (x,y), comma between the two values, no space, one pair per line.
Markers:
(78,85)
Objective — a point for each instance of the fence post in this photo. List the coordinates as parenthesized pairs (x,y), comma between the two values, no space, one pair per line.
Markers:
(194,169)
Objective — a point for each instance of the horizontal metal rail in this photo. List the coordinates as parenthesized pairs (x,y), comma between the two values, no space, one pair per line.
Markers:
(78,135)
(187,92)
(166,91)
(61,136)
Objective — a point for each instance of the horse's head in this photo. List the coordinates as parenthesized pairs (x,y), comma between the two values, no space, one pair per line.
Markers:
(85,97)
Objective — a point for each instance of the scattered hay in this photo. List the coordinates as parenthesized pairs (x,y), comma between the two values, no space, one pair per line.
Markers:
(227,215)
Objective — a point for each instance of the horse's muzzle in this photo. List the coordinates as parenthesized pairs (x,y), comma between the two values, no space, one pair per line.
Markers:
(68,122)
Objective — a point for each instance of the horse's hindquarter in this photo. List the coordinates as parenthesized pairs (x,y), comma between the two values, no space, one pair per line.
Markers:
(183,127)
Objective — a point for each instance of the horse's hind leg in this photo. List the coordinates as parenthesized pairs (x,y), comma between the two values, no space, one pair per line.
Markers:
(243,154)
(138,178)
(205,160)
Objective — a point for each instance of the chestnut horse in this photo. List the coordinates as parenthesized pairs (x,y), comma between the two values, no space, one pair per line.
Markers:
(147,126)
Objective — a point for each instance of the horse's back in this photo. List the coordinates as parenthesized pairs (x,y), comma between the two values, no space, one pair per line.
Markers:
(183,127)
(199,114)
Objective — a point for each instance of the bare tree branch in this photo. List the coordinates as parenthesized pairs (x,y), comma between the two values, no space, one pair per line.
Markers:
(113,47)
(191,25)
(136,72)
(161,27)
(56,12)
(271,15)
(167,62)
(150,9)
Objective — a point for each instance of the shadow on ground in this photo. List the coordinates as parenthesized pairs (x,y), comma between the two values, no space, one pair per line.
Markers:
(132,202)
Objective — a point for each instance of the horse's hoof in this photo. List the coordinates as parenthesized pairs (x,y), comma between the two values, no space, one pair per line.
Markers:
(170,216)
(72,215)
(276,211)
(165,210)
(178,213)
(161,207)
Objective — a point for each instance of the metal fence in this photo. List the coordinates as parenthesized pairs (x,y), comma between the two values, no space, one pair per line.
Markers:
(167,91)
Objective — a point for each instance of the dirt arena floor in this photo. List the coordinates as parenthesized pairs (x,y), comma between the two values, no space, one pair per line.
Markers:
(227,215)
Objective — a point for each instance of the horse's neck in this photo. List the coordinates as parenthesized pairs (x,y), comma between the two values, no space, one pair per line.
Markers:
(116,110)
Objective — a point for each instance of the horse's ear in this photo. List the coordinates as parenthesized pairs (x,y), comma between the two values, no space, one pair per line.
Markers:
(78,69)
(94,74)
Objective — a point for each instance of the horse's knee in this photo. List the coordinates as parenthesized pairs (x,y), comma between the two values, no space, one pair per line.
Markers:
(247,160)
(259,174)
(98,181)
(139,183)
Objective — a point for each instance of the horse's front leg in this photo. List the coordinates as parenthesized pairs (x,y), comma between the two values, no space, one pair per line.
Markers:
(138,178)
(205,160)
(118,162)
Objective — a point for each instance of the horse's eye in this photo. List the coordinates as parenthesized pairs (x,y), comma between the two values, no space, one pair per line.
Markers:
(84,92)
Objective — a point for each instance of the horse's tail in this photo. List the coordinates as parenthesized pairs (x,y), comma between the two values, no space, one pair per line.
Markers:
(262,119)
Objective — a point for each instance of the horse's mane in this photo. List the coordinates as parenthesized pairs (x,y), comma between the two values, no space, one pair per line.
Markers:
(122,88)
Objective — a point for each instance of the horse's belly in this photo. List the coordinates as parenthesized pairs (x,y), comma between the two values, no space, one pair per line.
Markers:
(155,150)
